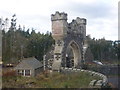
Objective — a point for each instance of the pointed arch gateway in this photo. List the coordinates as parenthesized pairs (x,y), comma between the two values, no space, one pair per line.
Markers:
(72,55)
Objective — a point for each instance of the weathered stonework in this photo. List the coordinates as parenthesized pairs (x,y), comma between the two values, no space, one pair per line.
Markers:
(68,35)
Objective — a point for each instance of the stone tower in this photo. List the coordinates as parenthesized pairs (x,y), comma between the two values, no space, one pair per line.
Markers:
(59,30)
(59,25)
(66,35)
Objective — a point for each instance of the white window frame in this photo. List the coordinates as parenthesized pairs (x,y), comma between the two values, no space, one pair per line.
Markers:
(25,72)
(20,72)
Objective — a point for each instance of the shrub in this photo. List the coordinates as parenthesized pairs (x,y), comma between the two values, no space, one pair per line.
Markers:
(9,73)
(85,66)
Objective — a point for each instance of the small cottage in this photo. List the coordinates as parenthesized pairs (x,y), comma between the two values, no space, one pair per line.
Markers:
(29,67)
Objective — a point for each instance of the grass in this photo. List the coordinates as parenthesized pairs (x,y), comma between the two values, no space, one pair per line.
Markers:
(51,80)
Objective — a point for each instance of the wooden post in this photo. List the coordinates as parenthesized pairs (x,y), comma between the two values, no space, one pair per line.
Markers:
(44,61)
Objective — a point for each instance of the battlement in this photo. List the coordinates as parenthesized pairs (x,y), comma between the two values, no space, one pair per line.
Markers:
(59,16)
(81,21)
(78,21)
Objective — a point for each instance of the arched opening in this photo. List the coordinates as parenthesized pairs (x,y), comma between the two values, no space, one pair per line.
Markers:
(73,55)
(69,57)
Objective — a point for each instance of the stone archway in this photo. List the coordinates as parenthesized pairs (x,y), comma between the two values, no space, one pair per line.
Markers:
(75,50)
(76,53)
(67,34)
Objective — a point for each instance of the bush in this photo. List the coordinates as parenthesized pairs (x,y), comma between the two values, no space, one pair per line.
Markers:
(85,66)
(9,73)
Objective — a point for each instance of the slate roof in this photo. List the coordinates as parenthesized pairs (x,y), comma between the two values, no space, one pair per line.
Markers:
(29,63)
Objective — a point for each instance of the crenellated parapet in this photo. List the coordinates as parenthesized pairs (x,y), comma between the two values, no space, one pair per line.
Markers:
(81,21)
(59,16)
(78,27)
(59,25)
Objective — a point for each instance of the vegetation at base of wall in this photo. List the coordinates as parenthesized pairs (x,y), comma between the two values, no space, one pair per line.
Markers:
(51,80)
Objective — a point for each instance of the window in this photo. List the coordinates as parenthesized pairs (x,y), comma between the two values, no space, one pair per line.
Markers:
(27,72)
(20,72)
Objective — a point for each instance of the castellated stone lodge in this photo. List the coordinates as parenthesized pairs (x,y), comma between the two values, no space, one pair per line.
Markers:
(70,41)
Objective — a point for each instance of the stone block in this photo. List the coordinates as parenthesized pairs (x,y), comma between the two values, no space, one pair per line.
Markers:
(99,83)
(70,68)
(74,69)
(78,69)
(92,83)
(82,70)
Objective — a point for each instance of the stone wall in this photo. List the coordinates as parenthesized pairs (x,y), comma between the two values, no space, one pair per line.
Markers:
(94,83)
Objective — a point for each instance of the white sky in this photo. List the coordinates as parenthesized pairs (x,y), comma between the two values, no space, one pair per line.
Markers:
(101,15)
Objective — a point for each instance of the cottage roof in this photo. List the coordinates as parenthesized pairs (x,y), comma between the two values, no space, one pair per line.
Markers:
(28,63)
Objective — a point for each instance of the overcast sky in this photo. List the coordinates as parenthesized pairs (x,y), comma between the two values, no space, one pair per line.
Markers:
(101,15)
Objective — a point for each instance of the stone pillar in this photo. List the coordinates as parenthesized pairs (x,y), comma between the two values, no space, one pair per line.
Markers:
(44,62)
(59,31)
(82,26)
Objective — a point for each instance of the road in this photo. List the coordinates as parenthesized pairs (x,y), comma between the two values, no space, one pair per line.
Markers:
(114,81)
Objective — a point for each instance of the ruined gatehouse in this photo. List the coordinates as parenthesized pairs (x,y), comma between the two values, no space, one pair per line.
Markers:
(70,41)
